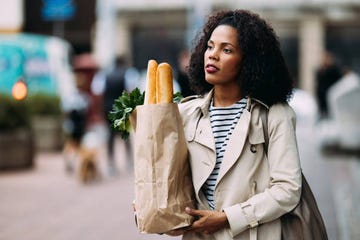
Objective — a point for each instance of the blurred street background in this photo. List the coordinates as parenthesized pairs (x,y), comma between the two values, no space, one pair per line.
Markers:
(63,62)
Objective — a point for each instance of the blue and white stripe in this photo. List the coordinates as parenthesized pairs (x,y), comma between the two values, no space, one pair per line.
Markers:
(223,121)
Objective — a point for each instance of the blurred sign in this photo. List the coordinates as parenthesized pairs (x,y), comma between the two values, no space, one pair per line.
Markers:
(26,56)
(58,10)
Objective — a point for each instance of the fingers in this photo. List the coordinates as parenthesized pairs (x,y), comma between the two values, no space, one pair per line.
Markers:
(206,221)
(200,218)
(194,212)
(188,211)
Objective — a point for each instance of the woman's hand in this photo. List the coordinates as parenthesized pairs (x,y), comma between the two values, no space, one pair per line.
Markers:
(176,232)
(207,221)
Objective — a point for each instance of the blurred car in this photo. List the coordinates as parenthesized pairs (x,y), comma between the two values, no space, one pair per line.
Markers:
(41,62)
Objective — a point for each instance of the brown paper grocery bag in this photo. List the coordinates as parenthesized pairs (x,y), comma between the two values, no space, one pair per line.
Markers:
(163,186)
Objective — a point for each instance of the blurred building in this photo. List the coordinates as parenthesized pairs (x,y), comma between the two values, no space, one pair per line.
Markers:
(158,29)
(72,20)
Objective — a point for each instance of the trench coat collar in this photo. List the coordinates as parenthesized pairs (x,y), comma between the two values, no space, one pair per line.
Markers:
(204,106)
(236,142)
(206,103)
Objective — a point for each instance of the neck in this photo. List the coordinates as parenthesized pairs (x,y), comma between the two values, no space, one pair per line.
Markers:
(224,97)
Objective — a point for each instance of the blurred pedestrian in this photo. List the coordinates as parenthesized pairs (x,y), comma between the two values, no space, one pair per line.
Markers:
(349,81)
(344,113)
(80,150)
(327,74)
(76,120)
(182,73)
(114,86)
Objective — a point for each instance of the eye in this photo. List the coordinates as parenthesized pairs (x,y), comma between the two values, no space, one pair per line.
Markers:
(209,47)
(227,50)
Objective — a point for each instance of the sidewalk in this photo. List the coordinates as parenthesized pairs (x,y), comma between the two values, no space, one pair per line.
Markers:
(46,203)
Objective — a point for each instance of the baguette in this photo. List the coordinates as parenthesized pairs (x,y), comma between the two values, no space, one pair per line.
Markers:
(150,93)
(164,83)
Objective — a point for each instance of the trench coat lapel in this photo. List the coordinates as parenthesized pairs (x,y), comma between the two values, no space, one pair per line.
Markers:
(203,135)
(204,132)
(236,143)
(208,156)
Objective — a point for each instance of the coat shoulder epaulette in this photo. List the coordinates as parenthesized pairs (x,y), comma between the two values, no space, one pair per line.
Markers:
(190,98)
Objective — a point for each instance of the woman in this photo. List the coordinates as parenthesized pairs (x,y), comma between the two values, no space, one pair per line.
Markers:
(241,189)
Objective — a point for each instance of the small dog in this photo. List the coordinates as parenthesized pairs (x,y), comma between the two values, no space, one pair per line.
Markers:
(88,171)
(81,157)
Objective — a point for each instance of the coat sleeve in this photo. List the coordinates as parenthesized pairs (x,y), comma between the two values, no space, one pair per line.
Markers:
(284,189)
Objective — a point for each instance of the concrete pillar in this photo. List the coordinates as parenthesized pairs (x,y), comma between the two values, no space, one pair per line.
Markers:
(312,44)
(104,39)
(197,13)
(11,16)
(123,37)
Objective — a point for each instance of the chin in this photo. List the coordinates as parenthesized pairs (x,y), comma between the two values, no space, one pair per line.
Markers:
(211,80)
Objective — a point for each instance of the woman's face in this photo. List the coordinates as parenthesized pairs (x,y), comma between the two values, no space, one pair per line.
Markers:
(222,58)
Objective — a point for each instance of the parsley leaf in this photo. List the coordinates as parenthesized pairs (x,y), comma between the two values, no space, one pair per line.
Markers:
(122,108)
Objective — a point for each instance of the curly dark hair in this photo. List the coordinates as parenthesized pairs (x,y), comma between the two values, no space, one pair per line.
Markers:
(264,74)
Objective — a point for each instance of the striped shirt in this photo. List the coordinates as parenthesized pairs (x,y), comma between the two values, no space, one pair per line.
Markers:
(223,121)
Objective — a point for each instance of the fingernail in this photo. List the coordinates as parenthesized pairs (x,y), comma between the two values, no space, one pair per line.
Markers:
(188,210)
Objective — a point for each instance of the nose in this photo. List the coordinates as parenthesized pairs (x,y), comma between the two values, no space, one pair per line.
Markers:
(214,55)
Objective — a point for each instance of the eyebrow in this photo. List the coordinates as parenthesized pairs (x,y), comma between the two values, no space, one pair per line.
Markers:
(223,43)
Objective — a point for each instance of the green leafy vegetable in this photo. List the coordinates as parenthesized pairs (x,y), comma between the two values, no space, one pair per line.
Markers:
(123,107)
(177,97)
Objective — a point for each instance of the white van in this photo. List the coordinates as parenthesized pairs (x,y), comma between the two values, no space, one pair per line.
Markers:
(42,62)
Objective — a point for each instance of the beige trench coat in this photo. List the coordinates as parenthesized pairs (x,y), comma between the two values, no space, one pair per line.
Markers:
(253,188)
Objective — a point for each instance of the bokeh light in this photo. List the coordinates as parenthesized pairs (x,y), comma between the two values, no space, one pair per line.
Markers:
(19,90)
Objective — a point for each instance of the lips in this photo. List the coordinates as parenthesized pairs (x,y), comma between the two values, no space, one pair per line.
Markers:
(209,68)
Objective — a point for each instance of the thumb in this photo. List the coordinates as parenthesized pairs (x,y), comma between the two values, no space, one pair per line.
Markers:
(192,212)
(188,210)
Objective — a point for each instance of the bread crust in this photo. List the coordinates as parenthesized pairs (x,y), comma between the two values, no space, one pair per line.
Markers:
(151,75)
(164,86)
